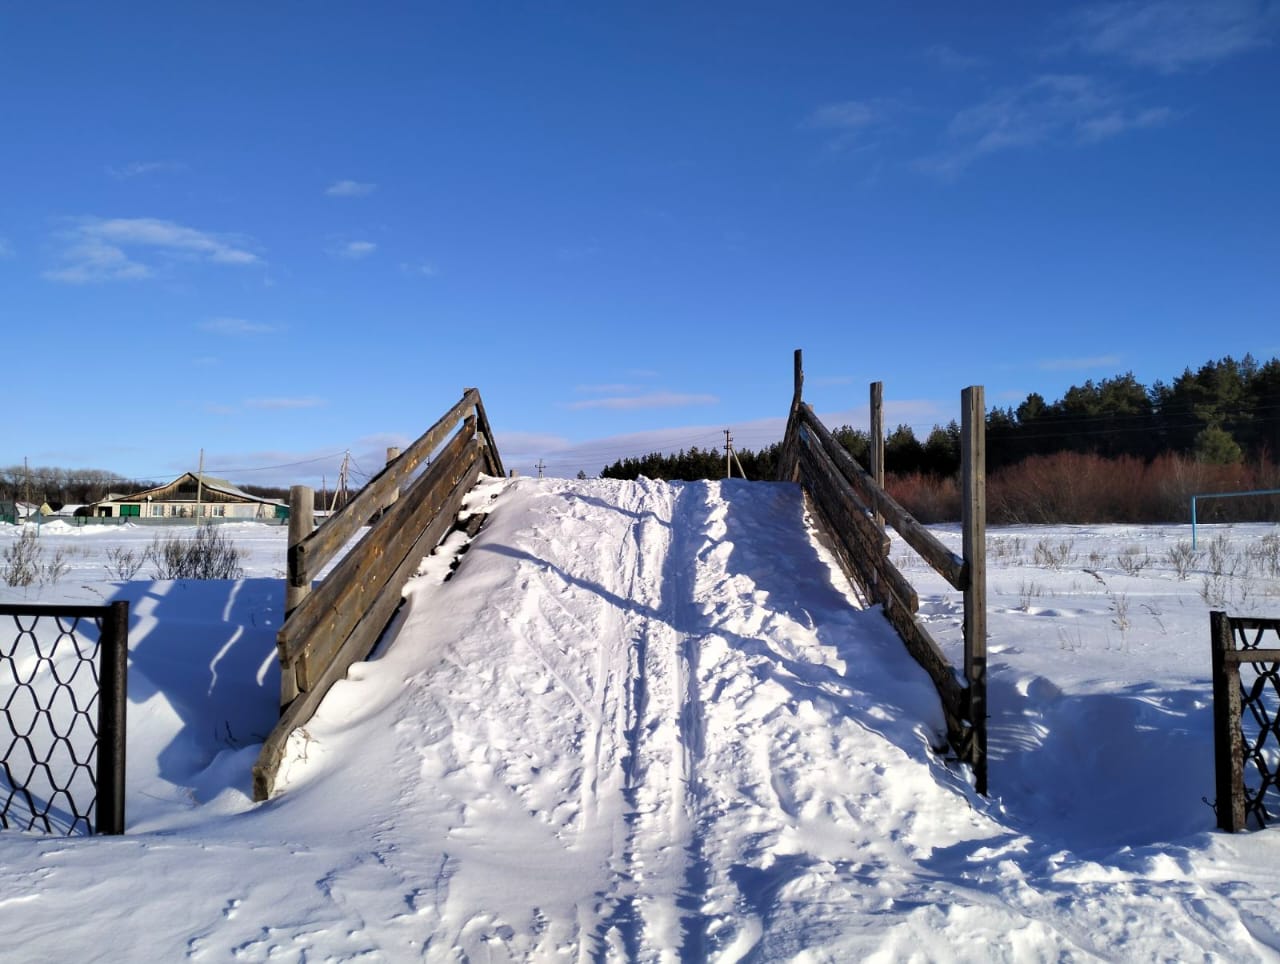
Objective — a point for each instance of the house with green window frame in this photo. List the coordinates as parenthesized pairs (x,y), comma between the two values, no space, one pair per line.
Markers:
(193,497)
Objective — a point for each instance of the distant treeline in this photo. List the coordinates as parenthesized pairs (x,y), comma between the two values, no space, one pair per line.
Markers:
(1110,451)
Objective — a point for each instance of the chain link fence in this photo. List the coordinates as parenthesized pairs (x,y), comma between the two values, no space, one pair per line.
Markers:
(62,717)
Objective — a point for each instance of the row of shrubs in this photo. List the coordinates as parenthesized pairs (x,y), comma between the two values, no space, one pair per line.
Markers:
(1075,487)
(208,554)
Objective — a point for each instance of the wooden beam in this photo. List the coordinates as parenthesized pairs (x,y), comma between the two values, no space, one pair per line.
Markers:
(359,644)
(943,560)
(339,600)
(877,440)
(355,606)
(338,529)
(493,462)
(973,485)
(1228,741)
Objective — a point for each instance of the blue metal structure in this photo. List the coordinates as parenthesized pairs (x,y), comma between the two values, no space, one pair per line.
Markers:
(1221,495)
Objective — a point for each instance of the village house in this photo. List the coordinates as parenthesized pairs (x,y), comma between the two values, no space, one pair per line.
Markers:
(195,497)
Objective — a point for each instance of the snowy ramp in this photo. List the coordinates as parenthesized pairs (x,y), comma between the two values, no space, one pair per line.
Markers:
(645,720)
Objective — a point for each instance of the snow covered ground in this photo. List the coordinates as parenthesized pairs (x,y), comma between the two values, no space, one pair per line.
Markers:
(649,721)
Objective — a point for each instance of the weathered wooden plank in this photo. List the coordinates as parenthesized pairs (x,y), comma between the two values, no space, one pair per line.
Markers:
(493,461)
(302,523)
(1228,743)
(946,563)
(337,601)
(842,507)
(358,645)
(877,440)
(922,647)
(816,463)
(1252,656)
(324,543)
(973,524)
(363,583)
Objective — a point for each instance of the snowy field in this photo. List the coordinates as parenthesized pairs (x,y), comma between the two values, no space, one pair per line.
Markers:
(649,721)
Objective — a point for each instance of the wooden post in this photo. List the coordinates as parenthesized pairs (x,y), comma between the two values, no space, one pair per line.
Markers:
(877,441)
(302,522)
(973,468)
(393,453)
(113,700)
(799,378)
(1228,741)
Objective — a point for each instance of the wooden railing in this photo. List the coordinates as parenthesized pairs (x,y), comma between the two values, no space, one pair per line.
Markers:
(852,505)
(338,622)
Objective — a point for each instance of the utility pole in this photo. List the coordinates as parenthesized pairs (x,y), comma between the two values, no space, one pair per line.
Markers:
(540,467)
(728,454)
(341,490)
(200,488)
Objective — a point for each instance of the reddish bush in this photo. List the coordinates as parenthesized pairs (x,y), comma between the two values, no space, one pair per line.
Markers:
(927,497)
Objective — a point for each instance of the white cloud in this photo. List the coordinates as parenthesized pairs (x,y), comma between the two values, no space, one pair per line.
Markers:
(947,57)
(1079,364)
(1093,129)
(1171,35)
(354,250)
(93,260)
(420,269)
(616,388)
(1050,109)
(650,400)
(142,168)
(350,189)
(842,116)
(283,403)
(6,249)
(235,326)
(112,249)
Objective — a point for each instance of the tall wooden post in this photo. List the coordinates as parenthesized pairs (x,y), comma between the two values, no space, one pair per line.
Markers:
(1228,741)
(302,522)
(393,453)
(113,701)
(973,470)
(877,441)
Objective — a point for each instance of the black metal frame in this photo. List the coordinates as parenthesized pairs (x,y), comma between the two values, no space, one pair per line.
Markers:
(1236,751)
(108,658)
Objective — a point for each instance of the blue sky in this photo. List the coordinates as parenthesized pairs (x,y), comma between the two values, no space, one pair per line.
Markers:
(278,232)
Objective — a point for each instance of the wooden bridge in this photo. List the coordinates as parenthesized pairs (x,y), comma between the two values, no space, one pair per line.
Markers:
(338,621)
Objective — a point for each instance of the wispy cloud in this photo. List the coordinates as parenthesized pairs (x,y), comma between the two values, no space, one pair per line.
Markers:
(649,400)
(1079,364)
(1172,35)
(1051,108)
(845,115)
(419,269)
(276,404)
(354,250)
(350,189)
(1119,122)
(948,58)
(143,168)
(615,388)
(236,326)
(113,249)
(6,249)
